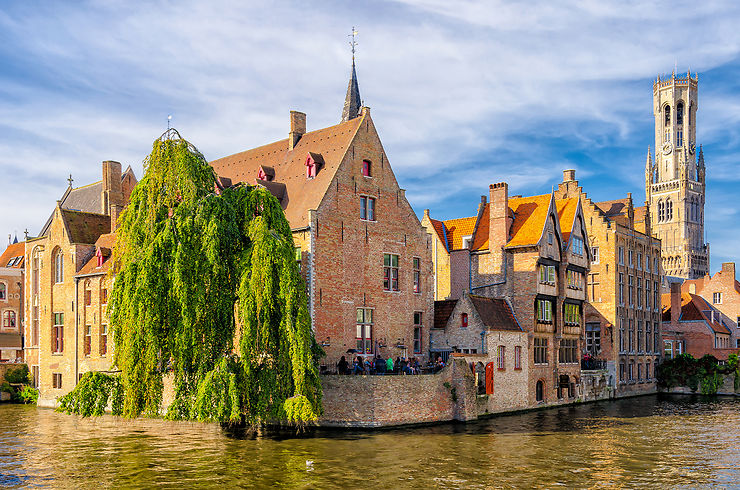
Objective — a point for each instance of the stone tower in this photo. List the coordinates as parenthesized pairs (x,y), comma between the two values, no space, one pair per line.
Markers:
(675,179)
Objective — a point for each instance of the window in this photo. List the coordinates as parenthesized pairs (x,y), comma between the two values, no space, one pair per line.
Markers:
(631,371)
(103,340)
(518,357)
(9,319)
(648,338)
(417,274)
(679,113)
(717,298)
(679,138)
(629,257)
(104,293)
(467,241)
(639,293)
(57,333)
(639,371)
(647,294)
(56,380)
(88,293)
(621,372)
(88,340)
(575,279)
(501,357)
(59,267)
(390,272)
(595,255)
(418,325)
(464,320)
(3,291)
(367,168)
(655,265)
(621,288)
(547,274)
(593,338)
(631,335)
(667,120)
(656,338)
(631,290)
(577,246)
(639,260)
(622,347)
(544,311)
(620,255)
(593,287)
(668,210)
(568,353)
(367,208)
(364,335)
(656,296)
(549,238)
(572,314)
(647,263)
(540,350)
(539,392)
(640,338)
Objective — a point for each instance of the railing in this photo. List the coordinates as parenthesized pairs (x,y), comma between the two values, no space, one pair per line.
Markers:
(331,367)
(593,364)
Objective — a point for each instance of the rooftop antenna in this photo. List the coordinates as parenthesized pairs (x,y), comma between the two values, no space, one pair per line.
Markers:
(353,43)
(169,118)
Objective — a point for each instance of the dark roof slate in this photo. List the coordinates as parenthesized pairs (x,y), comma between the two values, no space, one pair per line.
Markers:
(495,313)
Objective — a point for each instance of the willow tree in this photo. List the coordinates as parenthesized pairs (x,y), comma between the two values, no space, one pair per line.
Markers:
(207,288)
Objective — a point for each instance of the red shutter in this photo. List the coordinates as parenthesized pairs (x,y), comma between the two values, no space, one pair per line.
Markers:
(489,378)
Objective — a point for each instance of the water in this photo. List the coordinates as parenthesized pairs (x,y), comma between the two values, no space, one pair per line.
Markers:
(662,442)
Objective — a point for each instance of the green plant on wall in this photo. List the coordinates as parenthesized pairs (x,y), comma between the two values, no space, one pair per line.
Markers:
(705,374)
(207,288)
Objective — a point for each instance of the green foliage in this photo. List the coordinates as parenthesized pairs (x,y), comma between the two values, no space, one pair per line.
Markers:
(18,375)
(5,386)
(705,374)
(91,395)
(200,275)
(28,395)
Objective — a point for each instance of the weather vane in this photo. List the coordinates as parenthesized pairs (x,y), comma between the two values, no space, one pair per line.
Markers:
(353,43)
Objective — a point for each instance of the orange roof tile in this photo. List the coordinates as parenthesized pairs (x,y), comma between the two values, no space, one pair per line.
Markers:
(14,254)
(301,194)
(480,241)
(529,219)
(106,241)
(457,229)
(566,214)
(693,308)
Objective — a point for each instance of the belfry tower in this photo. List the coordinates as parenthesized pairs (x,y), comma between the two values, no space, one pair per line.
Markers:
(675,179)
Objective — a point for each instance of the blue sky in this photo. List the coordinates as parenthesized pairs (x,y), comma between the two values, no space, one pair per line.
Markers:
(463,93)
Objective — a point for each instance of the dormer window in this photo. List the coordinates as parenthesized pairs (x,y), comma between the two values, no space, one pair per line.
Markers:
(367,168)
(314,162)
(467,241)
(266,173)
(100,258)
(310,169)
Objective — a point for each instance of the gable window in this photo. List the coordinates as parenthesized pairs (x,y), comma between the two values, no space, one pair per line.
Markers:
(540,350)
(364,334)
(9,319)
(103,340)
(549,238)
(57,334)
(311,168)
(577,246)
(518,357)
(595,255)
(418,326)
(417,274)
(390,272)
(464,320)
(547,274)
(572,314)
(88,340)
(717,298)
(59,267)
(501,357)
(367,208)
(544,311)
(367,168)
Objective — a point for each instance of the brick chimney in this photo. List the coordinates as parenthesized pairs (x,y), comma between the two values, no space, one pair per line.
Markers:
(569,175)
(498,229)
(675,304)
(297,128)
(729,269)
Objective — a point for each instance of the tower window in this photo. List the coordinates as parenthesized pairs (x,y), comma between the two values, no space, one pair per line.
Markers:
(661,211)
(679,138)
(679,113)
(667,111)
(668,210)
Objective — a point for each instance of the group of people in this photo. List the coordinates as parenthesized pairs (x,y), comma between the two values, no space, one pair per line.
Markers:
(378,365)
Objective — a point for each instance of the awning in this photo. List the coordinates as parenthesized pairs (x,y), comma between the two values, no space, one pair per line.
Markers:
(10,341)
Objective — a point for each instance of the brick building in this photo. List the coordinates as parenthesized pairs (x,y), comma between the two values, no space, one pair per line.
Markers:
(694,326)
(622,316)
(11,301)
(56,303)
(363,253)
(531,252)
(722,290)
(485,332)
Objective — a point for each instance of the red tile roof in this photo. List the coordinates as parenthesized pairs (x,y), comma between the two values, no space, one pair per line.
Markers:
(14,256)
(695,308)
(300,194)
(104,243)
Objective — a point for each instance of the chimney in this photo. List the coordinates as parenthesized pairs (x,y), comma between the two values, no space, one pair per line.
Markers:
(112,193)
(297,128)
(675,304)
(569,175)
(729,269)
(498,229)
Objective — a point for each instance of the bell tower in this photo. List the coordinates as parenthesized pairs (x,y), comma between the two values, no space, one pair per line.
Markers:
(675,179)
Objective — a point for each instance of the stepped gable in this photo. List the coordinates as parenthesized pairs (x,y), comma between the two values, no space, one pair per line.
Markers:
(85,228)
(442,311)
(289,166)
(14,256)
(495,313)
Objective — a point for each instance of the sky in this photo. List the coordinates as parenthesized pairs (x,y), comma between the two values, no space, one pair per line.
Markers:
(463,93)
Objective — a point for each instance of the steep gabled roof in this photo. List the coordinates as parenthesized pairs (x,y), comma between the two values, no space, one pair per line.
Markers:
(566,215)
(85,228)
(301,193)
(457,229)
(442,311)
(695,308)
(439,229)
(14,256)
(105,244)
(530,215)
(495,313)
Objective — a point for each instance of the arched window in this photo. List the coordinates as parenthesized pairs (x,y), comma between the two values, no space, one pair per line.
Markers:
(679,113)
(88,293)
(668,210)
(667,111)
(464,320)
(9,319)
(661,211)
(59,267)
(691,107)
(3,291)
(539,392)
(35,316)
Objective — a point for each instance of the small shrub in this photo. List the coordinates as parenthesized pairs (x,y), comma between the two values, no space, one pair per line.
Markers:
(28,395)
(18,375)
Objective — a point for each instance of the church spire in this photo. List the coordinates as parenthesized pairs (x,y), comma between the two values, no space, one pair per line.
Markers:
(649,162)
(352,102)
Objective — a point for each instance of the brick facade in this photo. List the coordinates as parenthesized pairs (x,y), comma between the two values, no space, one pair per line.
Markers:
(11,301)
(722,290)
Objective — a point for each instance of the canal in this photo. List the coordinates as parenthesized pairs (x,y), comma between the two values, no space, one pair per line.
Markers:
(656,441)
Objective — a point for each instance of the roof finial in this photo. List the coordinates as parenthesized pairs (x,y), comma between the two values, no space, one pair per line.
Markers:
(25,232)
(70,180)
(353,43)
(352,102)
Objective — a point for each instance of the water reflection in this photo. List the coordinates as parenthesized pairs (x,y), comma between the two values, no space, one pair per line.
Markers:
(634,442)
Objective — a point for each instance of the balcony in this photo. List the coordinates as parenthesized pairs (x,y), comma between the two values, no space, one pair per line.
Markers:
(591,364)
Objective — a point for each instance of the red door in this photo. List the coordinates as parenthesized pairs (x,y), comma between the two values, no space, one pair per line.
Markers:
(489,378)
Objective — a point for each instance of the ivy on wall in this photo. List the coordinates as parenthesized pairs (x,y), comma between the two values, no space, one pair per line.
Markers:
(207,288)
(704,374)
